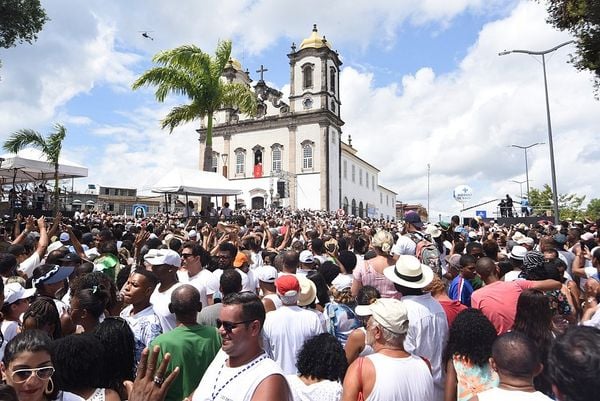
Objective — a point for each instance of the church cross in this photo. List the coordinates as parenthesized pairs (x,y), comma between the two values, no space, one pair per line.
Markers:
(261,71)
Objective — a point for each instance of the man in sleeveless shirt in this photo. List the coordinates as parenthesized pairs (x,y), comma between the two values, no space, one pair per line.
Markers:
(390,373)
(242,371)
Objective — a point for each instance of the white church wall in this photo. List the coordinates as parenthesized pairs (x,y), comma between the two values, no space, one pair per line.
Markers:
(308,191)
(358,188)
(387,203)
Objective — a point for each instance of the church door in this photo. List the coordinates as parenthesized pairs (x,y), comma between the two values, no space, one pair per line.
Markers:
(258,202)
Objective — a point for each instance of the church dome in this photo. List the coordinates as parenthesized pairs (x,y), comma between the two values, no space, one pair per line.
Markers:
(234,63)
(314,40)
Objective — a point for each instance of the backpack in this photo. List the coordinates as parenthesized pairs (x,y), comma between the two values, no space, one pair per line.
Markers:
(427,252)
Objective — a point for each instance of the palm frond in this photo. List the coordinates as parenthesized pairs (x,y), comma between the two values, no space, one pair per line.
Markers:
(241,96)
(23,138)
(222,57)
(168,81)
(180,115)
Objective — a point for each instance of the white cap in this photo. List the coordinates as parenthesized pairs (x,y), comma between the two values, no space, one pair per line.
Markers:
(15,291)
(266,273)
(163,257)
(388,312)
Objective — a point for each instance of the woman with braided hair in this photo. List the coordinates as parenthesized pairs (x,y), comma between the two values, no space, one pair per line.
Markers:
(88,304)
(42,314)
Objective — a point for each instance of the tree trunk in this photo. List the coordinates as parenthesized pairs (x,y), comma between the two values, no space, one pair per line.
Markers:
(207,164)
(56,189)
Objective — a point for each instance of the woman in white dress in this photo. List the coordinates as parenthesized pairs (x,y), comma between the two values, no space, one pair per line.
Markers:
(321,368)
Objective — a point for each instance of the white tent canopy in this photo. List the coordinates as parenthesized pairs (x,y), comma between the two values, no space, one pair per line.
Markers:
(30,165)
(186,181)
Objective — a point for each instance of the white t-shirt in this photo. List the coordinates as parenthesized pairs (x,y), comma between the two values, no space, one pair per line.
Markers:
(160,302)
(499,394)
(222,383)
(248,284)
(200,281)
(285,331)
(325,390)
(29,264)
(9,331)
(404,246)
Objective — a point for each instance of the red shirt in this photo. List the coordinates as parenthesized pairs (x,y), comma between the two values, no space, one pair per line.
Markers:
(452,308)
(498,302)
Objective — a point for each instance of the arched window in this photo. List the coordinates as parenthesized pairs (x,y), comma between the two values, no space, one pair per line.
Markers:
(353,207)
(307,76)
(332,79)
(307,155)
(361,209)
(276,157)
(240,161)
(345,205)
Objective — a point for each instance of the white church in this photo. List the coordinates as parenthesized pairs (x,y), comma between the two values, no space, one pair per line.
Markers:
(291,154)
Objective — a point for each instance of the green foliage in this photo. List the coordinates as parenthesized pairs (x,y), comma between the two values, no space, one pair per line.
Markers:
(50,146)
(569,205)
(593,209)
(20,21)
(188,71)
(582,19)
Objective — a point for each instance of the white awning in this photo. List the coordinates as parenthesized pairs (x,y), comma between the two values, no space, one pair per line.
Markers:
(30,165)
(195,182)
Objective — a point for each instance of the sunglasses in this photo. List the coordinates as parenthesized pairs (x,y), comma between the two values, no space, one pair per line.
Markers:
(229,326)
(22,375)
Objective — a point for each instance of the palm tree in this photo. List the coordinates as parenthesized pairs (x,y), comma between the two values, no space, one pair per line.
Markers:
(50,147)
(188,71)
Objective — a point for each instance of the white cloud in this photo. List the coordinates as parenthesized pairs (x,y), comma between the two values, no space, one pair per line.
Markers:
(464,122)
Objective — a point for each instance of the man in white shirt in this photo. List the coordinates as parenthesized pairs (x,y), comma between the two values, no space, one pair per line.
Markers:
(164,264)
(407,243)
(287,327)
(428,327)
(193,257)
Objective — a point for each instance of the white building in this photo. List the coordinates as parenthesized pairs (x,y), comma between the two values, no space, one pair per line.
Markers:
(291,153)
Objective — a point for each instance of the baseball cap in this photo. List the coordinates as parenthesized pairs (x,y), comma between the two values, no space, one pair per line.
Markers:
(266,273)
(240,259)
(560,239)
(388,312)
(306,256)
(163,257)
(64,237)
(525,240)
(587,236)
(15,291)
(55,275)
(192,234)
(287,285)
(414,219)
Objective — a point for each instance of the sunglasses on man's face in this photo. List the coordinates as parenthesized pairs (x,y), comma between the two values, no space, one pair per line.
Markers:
(22,375)
(229,326)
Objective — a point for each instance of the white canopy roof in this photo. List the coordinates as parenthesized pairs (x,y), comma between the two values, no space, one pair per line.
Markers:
(31,165)
(195,182)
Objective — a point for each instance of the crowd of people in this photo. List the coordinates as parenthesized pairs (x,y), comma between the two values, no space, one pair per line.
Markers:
(298,305)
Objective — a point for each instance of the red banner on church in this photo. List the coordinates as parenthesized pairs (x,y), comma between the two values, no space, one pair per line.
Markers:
(258,171)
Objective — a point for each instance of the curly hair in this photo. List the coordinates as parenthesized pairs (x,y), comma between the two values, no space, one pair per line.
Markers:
(322,357)
(98,280)
(472,336)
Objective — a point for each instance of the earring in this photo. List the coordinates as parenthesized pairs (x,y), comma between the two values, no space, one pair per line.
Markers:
(49,387)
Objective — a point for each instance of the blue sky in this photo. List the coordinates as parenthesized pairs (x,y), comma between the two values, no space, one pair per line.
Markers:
(421,77)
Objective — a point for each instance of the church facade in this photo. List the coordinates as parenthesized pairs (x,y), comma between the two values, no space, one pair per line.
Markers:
(291,153)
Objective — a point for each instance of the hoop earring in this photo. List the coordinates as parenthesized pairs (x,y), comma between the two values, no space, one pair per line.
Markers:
(51,385)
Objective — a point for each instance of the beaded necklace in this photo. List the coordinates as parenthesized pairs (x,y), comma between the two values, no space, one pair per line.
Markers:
(216,392)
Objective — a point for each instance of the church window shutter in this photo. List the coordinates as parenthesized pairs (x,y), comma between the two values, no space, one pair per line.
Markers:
(307,157)
(240,162)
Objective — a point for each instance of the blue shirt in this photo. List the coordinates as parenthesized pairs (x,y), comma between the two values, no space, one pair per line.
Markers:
(461,290)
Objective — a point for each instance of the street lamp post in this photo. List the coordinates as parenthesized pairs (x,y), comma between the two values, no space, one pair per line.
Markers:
(526,166)
(520,186)
(550,143)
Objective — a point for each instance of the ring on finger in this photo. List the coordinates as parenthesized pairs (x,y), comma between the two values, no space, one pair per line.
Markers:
(158,380)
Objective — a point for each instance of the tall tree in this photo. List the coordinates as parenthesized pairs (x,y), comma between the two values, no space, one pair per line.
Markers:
(50,146)
(582,19)
(593,209)
(569,205)
(189,72)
